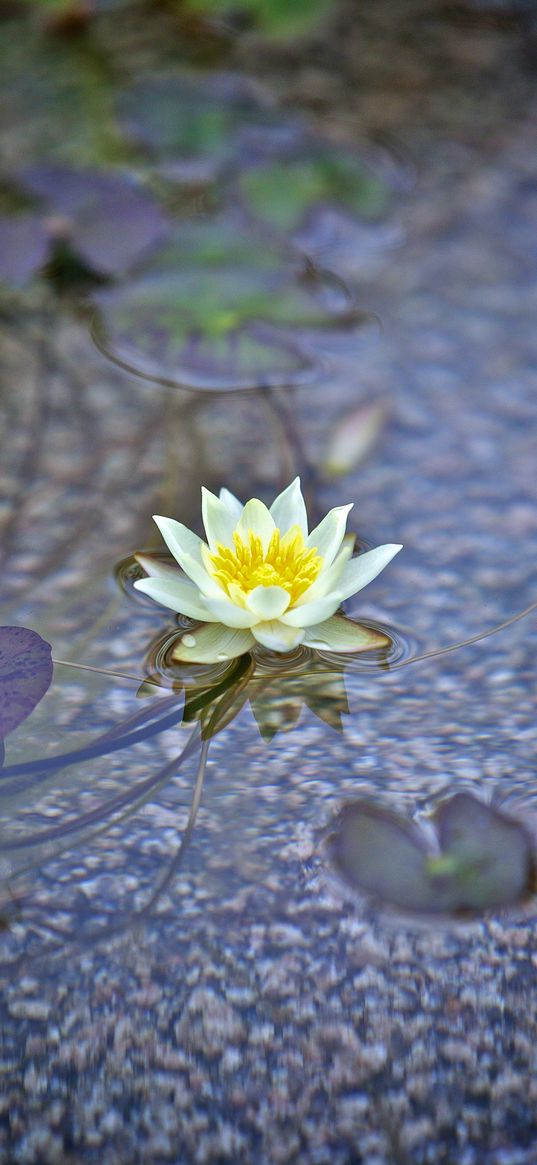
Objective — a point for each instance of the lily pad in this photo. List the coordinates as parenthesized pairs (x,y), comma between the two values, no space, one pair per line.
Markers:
(484,859)
(276,18)
(490,853)
(24,246)
(187,117)
(25,675)
(281,191)
(207,315)
(107,220)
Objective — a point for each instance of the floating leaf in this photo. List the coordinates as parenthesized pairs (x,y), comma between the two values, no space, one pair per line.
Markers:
(485,860)
(183,116)
(107,219)
(25,675)
(491,853)
(382,854)
(352,439)
(24,246)
(281,191)
(208,315)
(276,18)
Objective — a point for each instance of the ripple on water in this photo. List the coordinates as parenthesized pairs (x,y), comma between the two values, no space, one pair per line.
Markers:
(220,309)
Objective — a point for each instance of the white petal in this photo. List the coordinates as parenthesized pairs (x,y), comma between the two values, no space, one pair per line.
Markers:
(256,519)
(268,602)
(228,613)
(311,613)
(233,504)
(289,509)
(178,538)
(361,570)
(179,595)
(219,522)
(203,580)
(211,643)
(329,534)
(342,634)
(276,636)
(156,568)
(187,549)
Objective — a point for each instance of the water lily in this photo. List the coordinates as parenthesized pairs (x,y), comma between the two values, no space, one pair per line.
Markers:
(261,577)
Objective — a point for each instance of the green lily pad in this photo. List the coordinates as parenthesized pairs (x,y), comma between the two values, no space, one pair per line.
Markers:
(485,860)
(282,191)
(278,19)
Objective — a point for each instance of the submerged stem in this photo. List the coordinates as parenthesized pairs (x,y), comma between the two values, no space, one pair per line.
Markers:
(176,861)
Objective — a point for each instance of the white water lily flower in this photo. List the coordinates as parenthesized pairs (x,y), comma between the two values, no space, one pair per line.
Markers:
(261,577)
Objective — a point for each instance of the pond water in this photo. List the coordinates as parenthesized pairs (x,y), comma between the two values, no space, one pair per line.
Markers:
(234,251)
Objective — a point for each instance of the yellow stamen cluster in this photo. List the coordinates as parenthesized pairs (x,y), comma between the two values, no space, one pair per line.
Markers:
(286,563)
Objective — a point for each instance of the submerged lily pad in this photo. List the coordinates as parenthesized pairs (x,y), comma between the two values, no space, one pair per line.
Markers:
(221,313)
(186,117)
(25,675)
(485,860)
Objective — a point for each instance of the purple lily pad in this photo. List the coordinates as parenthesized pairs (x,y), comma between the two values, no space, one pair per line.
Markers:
(483,859)
(109,221)
(25,675)
(23,247)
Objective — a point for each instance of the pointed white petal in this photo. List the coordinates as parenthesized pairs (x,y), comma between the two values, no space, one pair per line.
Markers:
(256,519)
(211,643)
(276,636)
(329,534)
(289,509)
(219,522)
(342,634)
(228,613)
(233,504)
(179,595)
(361,570)
(157,568)
(311,613)
(268,602)
(178,538)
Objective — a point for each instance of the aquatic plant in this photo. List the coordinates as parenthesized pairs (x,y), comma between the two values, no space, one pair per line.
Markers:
(261,577)
(473,858)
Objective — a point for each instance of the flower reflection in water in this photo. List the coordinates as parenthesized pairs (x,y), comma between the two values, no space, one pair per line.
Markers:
(203,699)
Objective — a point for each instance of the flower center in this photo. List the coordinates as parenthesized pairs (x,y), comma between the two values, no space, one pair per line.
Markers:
(287,563)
